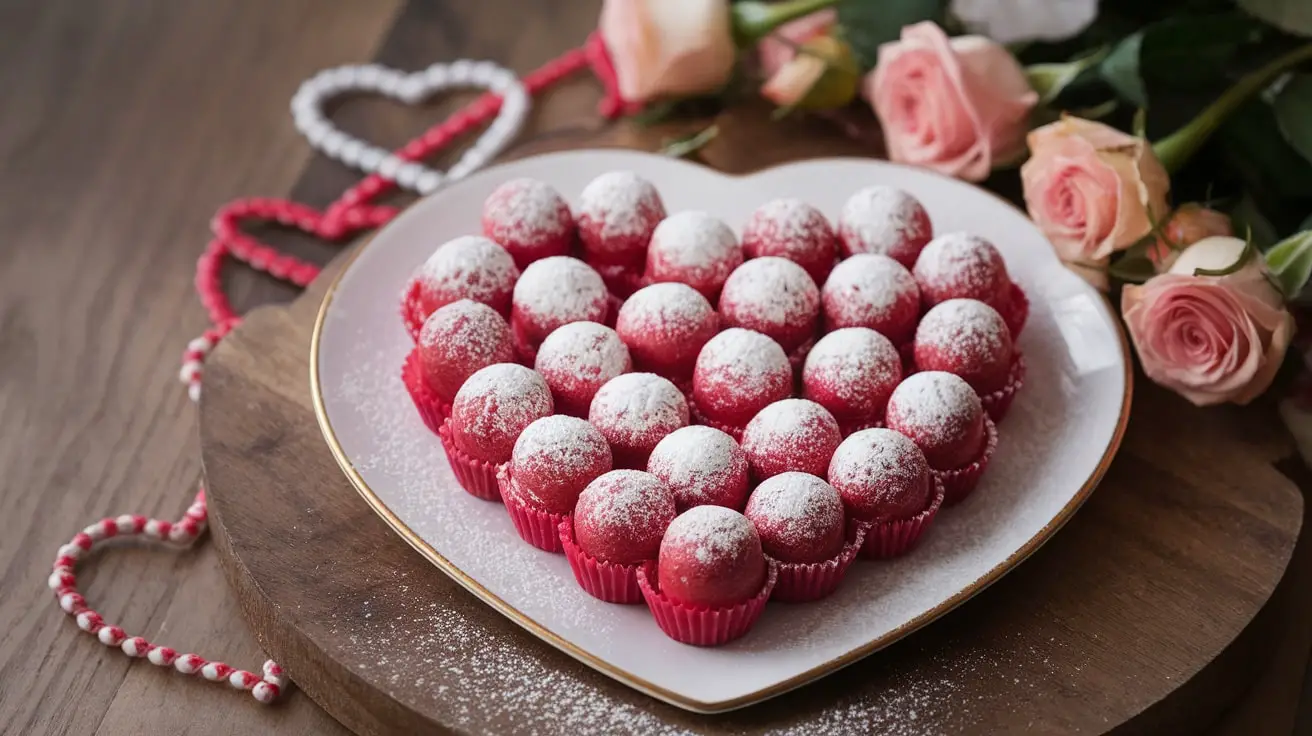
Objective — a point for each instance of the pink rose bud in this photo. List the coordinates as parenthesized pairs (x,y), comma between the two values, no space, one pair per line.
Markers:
(780,47)
(1189,224)
(958,106)
(1211,339)
(668,48)
(823,76)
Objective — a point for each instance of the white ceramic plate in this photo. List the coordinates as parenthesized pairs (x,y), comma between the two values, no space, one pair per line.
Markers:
(1055,445)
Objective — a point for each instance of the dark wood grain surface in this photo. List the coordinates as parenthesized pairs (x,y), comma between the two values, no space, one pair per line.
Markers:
(125,123)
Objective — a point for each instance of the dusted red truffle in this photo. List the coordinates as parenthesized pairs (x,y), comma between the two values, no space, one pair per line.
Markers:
(622,516)
(852,372)
(962,266)
(792,229)
(468,267)
(702,465)
(884,220)
(943,415)
(634,412)
(554,458)
(576,360)
(494,406)
(739,373)
(966,337)
(711,557)
(618,212)
(875,291)
(457,340)
(693,248)
(881,475)
(799,518)
(665,327)
(557,291)
(793,434)
(529,219)
(774,297)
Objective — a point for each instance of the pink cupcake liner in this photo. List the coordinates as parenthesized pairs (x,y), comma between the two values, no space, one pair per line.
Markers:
(602,580)
(959,483)
(478,477)
(698,626)
(432,409)
(535,526)
(998,402)
(734,431)
(896,537)
(800,582)
(1017,311)
(411,313)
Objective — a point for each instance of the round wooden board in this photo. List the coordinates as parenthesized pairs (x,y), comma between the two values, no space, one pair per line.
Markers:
(1135,617)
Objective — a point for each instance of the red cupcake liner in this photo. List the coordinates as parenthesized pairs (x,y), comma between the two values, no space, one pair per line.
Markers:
(432,409)
(699,626)
(998,402)
(478,477)
(411,312)
(734,431)
(535,526)
(525,351)
(1017,311)
(800,582)
(958,483)
(896,537)
(602,580)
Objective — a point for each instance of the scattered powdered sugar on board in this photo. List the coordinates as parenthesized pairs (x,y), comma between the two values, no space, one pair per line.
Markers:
(714,533)
(880,217)
(560,289)
(623,203)
(475,266)
(867,287)
(524,210)
(796,504)
(966,329)
(632,406)
(587,350)
(697,457)
(770,291)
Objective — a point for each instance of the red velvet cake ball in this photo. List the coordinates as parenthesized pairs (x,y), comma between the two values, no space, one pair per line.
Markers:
(884,220)
(702,465)
(874,291)
(792,229)
(529,219)
(739,373)
(622,516)
(577,360)
(793,434)
(799,518)
(962,266)
(881,475)
(556,291)
(457,340)
(494,406)
(634,412)
(943,415)
(852,372)
(618,212)
(468,267)
(711,557)
(665,327)
(693,248)
(555,458)
(774,297)
(966,337)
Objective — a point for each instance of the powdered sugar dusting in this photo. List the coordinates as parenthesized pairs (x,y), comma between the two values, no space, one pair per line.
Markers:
(796,506)
(966,263)
(879,218)
(770,294)
(790,428)
(695,459)
(867,288)
(625,500)
(500,401)
(471,266)
(715,534)
(786,220)
(622,204)
(935,403)
(587,351)
(559,290)
(743,361)
(851,361)
(968,330)
(695,248)
(629,408)
(873,462)
(667,308)
(566,445)
(526,210)
(477,329)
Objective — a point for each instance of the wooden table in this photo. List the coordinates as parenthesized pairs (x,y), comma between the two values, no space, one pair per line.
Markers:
(126,122)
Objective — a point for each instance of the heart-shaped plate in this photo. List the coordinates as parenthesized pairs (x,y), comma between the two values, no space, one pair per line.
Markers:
(1056,443)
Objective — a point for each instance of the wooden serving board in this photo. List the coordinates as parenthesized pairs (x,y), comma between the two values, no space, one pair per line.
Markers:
(1137,617)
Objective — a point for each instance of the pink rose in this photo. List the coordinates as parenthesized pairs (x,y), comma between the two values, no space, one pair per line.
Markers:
(666,48)
(1211,339)
(779,48)
(1091,188)
(957,106)
(1189,224)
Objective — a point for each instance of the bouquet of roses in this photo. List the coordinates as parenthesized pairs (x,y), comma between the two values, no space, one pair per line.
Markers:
(1146,136)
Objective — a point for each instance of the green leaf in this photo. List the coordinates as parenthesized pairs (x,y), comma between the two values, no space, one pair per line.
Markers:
(1254,146)
(1049,80)
(865,24)
(1293,109)
(1246,217)
(1294,16)
(1121,70)
(1184,53)
(690,144)
(1290,261)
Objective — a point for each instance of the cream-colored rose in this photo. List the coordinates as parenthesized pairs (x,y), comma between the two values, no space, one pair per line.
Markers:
(958,106)
(1211,339)
(1090,188)
(666,48)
